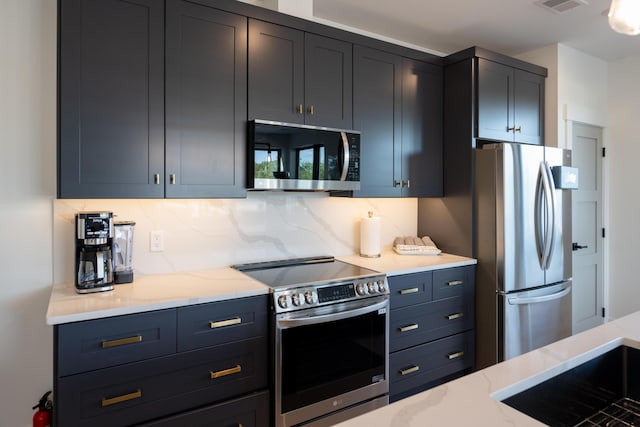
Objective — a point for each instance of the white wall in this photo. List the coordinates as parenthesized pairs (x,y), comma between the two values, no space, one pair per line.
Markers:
(624,158)
(27,168)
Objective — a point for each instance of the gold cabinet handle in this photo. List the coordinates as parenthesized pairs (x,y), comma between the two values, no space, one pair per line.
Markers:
(455,316)
(518,129)
(121,341)
(408,328)
(310,110)
(172,179)
(398,183)
(408,183)
(409,291)
(119,399)
(455,355)
(225,372)
(455,282)
(410,370)
(156,178)
(223,323)
(299,109)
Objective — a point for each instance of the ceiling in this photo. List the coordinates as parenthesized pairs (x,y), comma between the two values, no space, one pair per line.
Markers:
(510,27)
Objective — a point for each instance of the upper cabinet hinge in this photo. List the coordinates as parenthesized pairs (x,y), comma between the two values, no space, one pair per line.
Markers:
(604,151)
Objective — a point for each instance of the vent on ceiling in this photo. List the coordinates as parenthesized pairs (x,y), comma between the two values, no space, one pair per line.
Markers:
(560,6)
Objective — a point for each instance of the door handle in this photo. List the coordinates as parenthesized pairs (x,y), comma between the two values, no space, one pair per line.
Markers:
(577,246)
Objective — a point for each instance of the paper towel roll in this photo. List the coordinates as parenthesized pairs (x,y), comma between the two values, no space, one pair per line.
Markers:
(370,236)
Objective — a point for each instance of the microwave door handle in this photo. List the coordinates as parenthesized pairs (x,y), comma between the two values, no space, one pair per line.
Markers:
(293,321)
(345,156)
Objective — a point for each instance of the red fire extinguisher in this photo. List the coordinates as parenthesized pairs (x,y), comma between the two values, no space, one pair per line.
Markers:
(42,417)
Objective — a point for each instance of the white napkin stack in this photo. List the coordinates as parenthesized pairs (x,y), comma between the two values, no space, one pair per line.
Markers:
(415,246)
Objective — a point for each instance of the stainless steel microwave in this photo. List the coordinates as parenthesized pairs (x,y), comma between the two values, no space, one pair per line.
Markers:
(284,156)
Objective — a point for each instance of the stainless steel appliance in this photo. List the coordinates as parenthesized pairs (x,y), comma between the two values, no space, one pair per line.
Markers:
(330,336)
(283,156)
(94,262)
(523,242)
(123,251)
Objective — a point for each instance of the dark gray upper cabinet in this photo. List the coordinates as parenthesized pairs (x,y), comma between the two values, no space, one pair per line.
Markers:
(421,129)
(206,101)
(377,84)
(398,109)
(510,104)
(111,98)
(298,77)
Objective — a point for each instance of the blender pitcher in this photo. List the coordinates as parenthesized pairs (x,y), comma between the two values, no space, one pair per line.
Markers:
(123,251)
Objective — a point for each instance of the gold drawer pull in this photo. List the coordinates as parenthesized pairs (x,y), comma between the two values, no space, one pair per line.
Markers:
(409,291)
(455,355)
(455,282)
(408,328)
(121,341)
(119,399)
(228,322)
(409,370)
(455,316)
(225,372)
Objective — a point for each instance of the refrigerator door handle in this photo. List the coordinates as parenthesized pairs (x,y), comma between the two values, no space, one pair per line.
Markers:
(552,217)
(535,300)
(548,218)
(539,196)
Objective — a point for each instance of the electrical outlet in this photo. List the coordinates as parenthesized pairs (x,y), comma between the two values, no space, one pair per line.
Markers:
(156,241)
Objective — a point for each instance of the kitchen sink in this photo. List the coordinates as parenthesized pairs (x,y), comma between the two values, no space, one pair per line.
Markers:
(604,390)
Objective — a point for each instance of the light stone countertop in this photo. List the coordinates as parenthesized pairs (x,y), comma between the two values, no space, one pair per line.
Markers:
(156,292)
(473,400)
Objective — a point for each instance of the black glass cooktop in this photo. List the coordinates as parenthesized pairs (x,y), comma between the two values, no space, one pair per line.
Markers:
(303,271)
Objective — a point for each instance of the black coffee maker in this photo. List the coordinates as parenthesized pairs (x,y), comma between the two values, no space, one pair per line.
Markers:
(94,261)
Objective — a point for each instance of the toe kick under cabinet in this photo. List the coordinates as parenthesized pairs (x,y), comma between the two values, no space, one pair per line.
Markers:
(431,337)
(203,365)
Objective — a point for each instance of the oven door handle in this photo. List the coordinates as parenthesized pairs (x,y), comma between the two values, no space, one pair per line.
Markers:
(291,322)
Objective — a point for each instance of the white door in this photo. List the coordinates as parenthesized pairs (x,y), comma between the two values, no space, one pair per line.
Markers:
(588,260)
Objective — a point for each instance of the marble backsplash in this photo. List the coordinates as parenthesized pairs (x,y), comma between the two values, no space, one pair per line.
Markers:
(211,233)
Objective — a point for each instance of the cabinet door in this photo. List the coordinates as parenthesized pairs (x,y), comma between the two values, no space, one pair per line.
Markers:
(276,72)
(111,141)
(495,101)
(376,114)
(422,87)
(529,107)
(206,63)
(328,82)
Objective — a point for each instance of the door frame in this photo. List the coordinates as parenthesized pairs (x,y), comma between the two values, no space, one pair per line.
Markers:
(569,123)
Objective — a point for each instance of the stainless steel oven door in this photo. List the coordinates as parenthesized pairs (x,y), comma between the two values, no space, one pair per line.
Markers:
(331,359)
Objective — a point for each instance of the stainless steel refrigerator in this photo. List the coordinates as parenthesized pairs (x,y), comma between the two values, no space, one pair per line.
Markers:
(523,242)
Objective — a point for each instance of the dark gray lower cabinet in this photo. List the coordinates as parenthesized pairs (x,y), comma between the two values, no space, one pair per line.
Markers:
(220,378)
(431,338)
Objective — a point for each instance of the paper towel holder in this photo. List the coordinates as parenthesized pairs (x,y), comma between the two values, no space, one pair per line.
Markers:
(370,237)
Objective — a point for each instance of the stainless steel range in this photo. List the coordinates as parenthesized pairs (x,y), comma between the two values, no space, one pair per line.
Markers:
(330,336)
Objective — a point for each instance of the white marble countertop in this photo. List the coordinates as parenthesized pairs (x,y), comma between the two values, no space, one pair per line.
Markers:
(393,264)
(156,292)
(473,400)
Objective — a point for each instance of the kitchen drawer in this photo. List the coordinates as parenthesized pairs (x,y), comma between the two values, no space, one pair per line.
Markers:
(410,289)
(418,324)
(428,362)
(247,411)
(452,282)
(94,344)
(221,322)
(140,391)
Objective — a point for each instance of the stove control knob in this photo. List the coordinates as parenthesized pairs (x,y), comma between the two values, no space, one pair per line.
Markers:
(310,297)
(360,289)
(373,288)
(282,301)
(381,286)
(296,299)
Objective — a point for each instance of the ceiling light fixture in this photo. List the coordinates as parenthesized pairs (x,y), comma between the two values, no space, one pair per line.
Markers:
(624,16)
